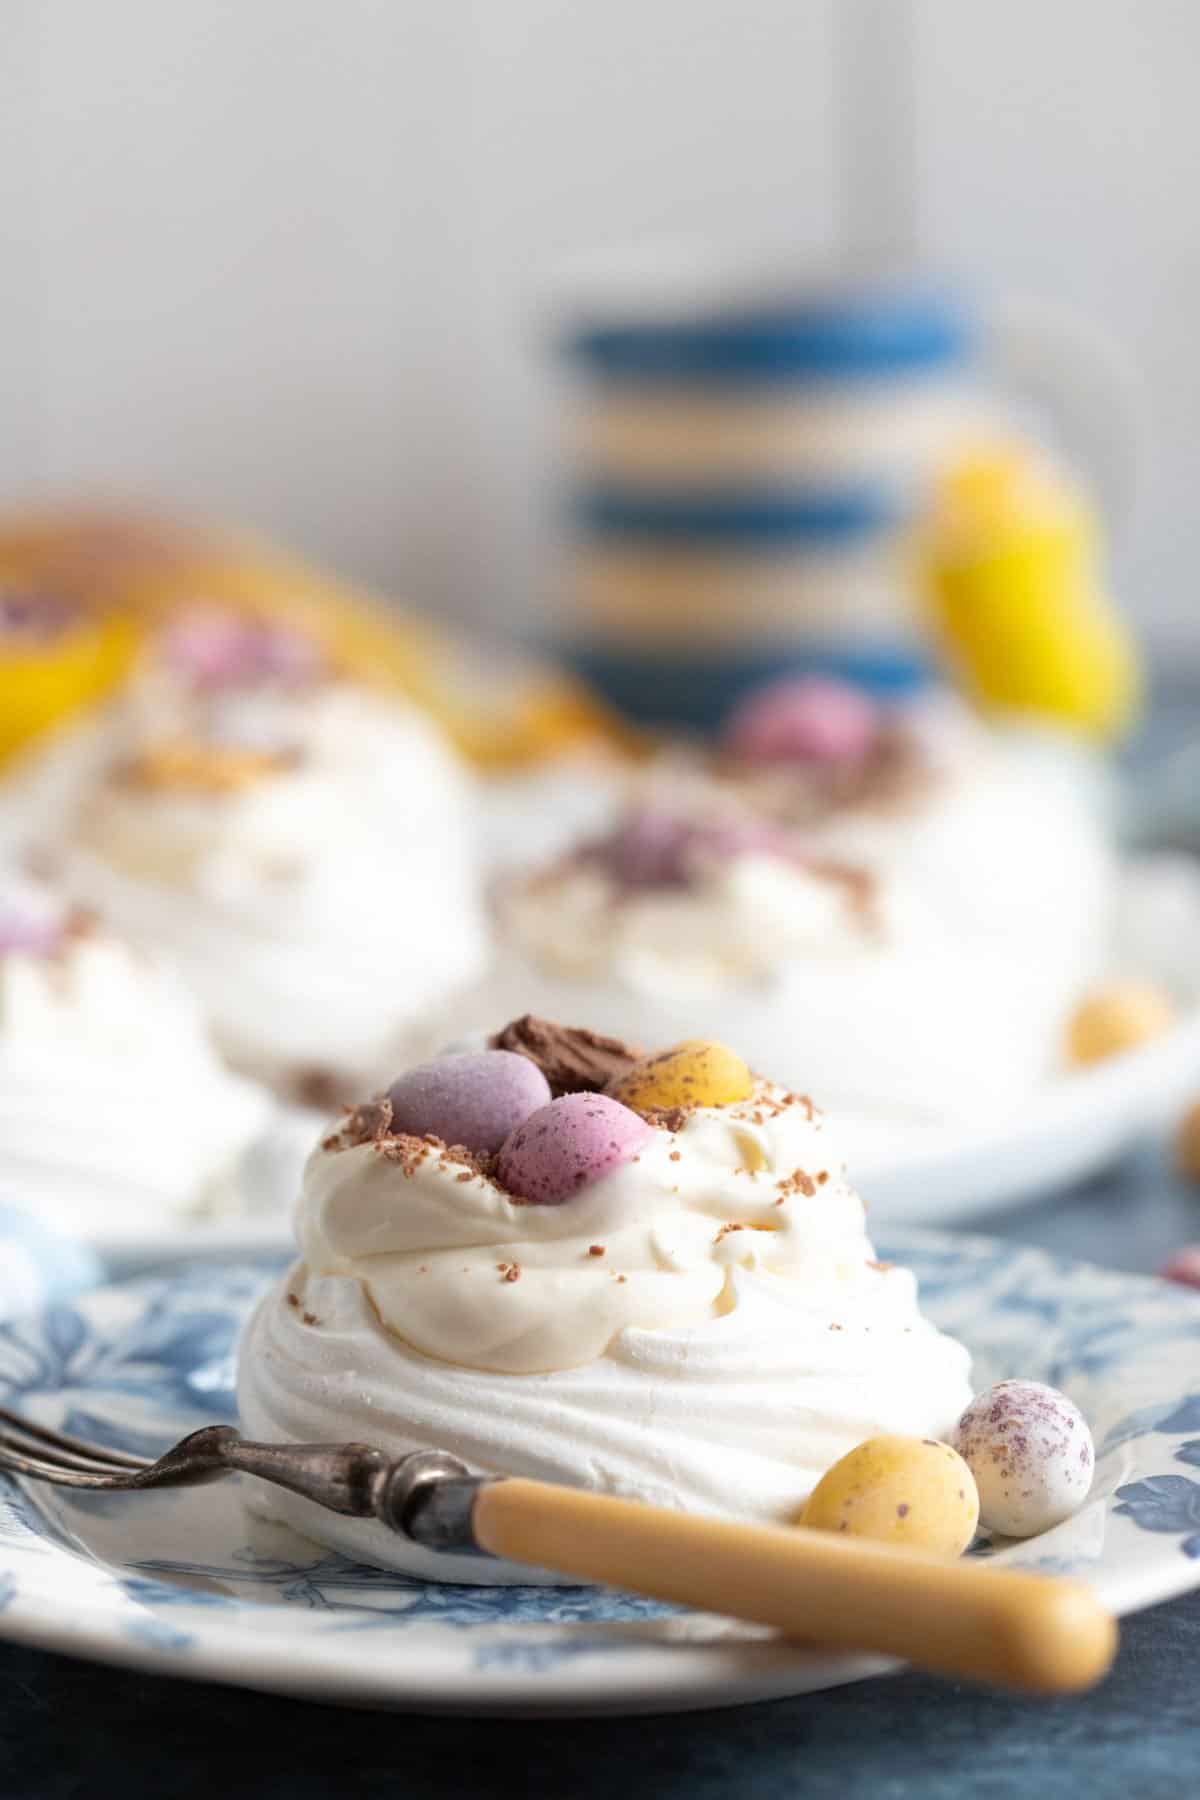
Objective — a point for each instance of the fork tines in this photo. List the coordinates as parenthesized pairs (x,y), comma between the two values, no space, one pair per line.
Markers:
(22,1442)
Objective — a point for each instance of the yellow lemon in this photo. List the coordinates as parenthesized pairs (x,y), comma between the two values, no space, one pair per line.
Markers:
(900,1490)
(699,1072)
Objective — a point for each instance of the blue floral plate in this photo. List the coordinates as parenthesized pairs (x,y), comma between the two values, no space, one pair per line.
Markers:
(185,1583)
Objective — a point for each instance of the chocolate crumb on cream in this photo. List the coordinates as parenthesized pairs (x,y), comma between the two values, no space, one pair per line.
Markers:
(371,1123)
(573,1059)
(669,1118)
(365,1124)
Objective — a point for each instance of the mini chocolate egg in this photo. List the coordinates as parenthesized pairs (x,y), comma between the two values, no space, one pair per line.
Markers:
(901,1490)
(476,1099)
(1183,1266)
(696,1073)
(1031,1453)
(804,719)
(1187,1143)
(569,1144)
(1117,1017)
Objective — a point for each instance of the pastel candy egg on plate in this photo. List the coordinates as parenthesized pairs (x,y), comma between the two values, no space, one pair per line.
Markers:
(1183,1266)
(1031,1453)
(804,719)
(476,1099)
(1117,1017)
(1187,1143)
(569,1144)
(908,1491)
(699,1072)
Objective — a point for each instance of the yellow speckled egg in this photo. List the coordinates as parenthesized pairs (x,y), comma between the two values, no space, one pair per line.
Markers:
(901,1490)
(696,1073)
(1117,1017)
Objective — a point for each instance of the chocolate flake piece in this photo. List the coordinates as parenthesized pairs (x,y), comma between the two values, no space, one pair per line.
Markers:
(573,1059)
(322,1089)
(369,1123)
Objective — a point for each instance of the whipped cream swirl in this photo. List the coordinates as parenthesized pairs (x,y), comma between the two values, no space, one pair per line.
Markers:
(318,893)
(918,961)
(113,1106)
(704,1327)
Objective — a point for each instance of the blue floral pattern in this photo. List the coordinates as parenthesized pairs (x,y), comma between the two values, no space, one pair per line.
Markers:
(188,1579)
(1165,1503)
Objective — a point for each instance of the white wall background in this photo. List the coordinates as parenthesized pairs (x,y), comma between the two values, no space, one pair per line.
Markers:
(278,259)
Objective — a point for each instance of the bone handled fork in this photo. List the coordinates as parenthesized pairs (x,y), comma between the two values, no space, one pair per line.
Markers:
(961,1619)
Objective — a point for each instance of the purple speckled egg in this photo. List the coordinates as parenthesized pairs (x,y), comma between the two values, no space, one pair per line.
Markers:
(649,848)
(477,1099)
(1031,1453)
(569,1144)
(805,719)
(653,848)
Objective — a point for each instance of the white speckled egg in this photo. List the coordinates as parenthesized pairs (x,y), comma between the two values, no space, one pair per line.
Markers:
(1031,1453)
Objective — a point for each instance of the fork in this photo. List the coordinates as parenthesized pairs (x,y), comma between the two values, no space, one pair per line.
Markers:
(1038,1633)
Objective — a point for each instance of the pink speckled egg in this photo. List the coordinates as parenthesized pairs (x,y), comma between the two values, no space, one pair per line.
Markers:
(806,719)
(477,1099)
(1031,1453)
(568,1145)
(1183,1266)
(30,937)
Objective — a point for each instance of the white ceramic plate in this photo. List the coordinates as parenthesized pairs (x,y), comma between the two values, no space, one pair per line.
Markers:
(1073,1128)
(185,1584)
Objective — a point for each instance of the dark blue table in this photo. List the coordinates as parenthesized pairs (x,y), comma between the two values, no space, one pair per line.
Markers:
(68,1730)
